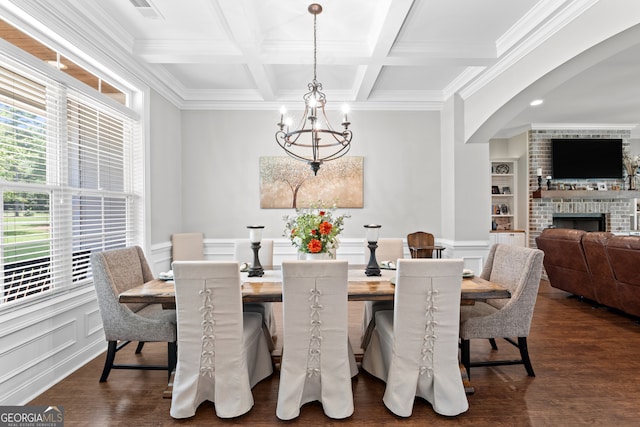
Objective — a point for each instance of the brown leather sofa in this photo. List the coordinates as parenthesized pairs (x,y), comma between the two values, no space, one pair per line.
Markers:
(599,266)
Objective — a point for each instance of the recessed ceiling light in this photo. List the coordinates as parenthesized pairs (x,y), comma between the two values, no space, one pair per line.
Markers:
(536,102)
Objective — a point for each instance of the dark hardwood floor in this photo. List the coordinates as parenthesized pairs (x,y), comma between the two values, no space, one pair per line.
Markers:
(587,362)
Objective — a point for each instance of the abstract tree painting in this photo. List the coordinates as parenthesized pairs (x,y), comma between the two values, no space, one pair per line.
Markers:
(288,183)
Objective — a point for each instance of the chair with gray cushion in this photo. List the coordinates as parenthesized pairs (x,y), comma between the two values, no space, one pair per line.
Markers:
(518,269)
(116,271)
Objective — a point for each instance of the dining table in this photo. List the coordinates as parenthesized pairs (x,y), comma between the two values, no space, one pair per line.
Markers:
(268,288)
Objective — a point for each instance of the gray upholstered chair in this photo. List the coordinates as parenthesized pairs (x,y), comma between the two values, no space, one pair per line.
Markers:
(187,246)
(116,271)
(519,269)
(222,352)
(414,348)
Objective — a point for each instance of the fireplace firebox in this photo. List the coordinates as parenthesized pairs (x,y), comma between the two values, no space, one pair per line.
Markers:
(581,221)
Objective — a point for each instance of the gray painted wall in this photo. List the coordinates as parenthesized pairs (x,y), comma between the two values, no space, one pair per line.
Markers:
(220,177)
(165,183)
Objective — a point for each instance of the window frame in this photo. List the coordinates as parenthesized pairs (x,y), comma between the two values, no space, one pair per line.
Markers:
(64,277)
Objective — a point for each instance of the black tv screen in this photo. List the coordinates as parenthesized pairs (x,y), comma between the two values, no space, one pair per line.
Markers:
(586,158)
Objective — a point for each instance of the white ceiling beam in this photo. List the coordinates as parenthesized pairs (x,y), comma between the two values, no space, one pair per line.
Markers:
(382,38)
(338,53)
(242,25)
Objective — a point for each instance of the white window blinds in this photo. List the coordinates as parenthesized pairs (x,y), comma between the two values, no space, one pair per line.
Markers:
(66,182)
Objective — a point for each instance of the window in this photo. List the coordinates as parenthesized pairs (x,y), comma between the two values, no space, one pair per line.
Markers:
(66,179)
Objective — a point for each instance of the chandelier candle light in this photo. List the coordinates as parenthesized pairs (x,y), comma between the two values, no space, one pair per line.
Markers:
(373,269)
(255,237)
(314,122)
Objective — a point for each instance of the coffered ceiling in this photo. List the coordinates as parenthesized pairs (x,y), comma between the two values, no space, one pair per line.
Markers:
(372,54)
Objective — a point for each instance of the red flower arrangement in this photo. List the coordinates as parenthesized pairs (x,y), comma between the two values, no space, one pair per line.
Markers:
(314,230)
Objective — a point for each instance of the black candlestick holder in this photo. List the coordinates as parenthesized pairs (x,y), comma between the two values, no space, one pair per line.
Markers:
(256,269)
(548,184)
(373,269)
(539,183)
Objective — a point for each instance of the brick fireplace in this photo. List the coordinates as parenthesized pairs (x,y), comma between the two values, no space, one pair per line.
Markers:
(612,208)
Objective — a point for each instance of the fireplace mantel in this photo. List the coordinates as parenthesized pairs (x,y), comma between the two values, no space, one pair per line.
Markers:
(585,194)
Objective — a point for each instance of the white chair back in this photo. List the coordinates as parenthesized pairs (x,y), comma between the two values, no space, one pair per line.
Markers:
(389,249)
(222,351)
(316,352)
(415,347)
(187,247)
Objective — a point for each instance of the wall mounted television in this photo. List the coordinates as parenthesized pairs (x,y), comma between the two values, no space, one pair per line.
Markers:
(586,158)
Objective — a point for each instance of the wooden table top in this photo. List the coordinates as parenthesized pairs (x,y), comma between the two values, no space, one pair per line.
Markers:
(269,289)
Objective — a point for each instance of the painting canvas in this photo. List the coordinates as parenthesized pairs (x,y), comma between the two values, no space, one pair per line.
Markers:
(289,183)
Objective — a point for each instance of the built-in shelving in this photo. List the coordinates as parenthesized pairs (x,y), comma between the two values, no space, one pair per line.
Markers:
(503,192)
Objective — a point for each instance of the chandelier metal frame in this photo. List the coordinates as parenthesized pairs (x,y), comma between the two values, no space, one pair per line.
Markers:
(314,122)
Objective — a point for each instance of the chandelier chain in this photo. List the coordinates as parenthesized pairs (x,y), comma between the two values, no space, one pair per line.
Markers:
(324,143)
(315,49)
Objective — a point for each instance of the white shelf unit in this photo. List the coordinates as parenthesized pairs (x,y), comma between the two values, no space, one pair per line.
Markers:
(514,238)
(503,194)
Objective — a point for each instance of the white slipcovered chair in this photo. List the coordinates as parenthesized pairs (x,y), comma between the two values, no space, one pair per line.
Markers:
(222,352)
(389,249)
(187,246)
(414,348)
(317,360)
(518,269)
(114,272)
(242,252)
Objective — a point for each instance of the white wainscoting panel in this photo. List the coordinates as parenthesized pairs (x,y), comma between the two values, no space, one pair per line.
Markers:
(473,253)
(43,342)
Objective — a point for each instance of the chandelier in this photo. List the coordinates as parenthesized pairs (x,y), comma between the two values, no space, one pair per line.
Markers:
(314,123)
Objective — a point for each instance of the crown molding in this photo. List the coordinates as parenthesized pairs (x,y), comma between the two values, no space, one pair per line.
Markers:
(555,24)
(540,13)
(463,78)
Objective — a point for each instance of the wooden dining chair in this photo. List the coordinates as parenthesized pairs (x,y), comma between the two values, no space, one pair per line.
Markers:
(418,240)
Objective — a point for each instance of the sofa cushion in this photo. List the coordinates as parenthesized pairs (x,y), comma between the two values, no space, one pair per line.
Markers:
(624,256)
(604,283)
(565,262)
